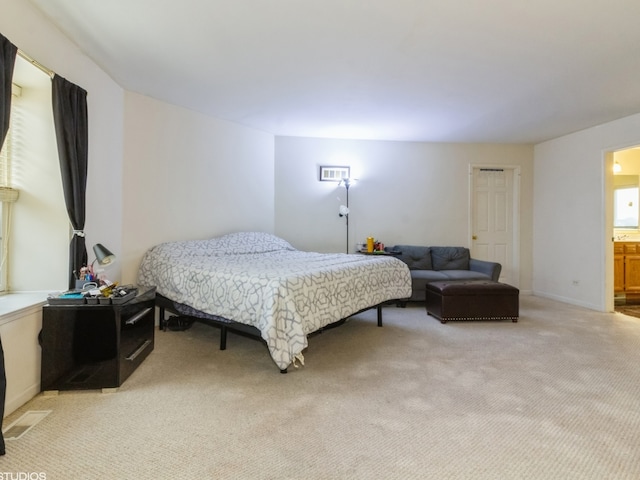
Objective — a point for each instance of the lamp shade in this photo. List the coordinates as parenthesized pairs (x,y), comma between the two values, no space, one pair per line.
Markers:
(103,255)
(347,182)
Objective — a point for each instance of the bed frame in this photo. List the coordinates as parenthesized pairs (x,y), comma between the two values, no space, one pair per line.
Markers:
(166,305)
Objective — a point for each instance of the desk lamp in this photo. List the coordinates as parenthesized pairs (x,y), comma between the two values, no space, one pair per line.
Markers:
(103,255)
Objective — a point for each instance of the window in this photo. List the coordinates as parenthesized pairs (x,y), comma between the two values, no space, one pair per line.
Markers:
(38,253)
(34,230)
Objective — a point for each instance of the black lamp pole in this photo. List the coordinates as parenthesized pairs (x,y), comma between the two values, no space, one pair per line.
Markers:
(347,187)
(347,183)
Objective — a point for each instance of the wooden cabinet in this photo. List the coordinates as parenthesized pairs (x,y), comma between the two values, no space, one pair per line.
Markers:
(626,261)
(95,346)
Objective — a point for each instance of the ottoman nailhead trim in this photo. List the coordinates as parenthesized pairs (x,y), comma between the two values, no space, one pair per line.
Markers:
(479,318)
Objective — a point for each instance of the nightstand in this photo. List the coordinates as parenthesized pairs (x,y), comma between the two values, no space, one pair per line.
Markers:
(95,346)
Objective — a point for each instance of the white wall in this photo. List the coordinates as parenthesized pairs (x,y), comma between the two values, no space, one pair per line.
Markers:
(189,176)
(407,193)
(19,331)
(572,226)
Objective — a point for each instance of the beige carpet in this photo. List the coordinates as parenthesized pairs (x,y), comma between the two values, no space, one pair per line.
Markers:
(554,396)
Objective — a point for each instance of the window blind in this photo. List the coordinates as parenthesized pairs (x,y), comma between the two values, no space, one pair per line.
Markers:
(7,192)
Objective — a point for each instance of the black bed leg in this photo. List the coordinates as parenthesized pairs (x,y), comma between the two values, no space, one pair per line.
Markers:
(379,315)
(162,323)
(223,338)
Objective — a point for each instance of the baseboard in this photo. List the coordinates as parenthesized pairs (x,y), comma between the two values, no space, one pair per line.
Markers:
(570,301)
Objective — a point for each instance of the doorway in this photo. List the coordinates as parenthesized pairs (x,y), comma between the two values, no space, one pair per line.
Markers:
(494,219)
(622,187)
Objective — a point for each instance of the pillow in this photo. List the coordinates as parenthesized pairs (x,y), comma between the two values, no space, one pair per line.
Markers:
(450,258)
(250,242)
(183,249)
(233,243)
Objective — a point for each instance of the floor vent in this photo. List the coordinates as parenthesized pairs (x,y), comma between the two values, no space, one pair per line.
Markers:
(25,423)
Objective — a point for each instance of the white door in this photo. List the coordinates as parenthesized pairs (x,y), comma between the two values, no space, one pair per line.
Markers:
(494,218)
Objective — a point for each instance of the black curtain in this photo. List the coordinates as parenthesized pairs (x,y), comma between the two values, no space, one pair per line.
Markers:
(70,118)
(7,62)
(8,53)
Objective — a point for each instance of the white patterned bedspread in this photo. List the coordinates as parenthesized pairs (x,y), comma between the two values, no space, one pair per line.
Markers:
(259,279)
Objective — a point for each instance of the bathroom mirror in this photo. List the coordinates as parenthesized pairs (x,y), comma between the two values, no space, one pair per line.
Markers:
(626,196)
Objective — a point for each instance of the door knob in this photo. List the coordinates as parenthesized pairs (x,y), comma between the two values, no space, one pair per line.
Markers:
(474,237)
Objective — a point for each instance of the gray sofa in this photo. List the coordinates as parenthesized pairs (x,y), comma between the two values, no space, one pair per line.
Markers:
(432,264)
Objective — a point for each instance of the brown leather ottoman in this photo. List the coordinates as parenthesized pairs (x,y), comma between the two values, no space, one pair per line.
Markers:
(472,300)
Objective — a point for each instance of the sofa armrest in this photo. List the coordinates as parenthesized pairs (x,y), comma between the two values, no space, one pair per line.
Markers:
(492,269)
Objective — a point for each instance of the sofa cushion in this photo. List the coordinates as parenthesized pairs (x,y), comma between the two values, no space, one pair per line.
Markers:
(428,275)
(450,258)
(419,280)
(464,275)
(416,257)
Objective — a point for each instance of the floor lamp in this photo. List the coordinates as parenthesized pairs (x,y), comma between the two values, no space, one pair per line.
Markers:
(344,209)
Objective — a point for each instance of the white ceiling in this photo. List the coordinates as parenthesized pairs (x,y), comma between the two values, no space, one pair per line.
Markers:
(507,71)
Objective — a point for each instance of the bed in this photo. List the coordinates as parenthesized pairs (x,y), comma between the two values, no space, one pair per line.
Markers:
(259,280)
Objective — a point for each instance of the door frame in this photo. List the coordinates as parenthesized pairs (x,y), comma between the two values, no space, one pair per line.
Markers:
(515,239)
(607,201)
(608,294)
